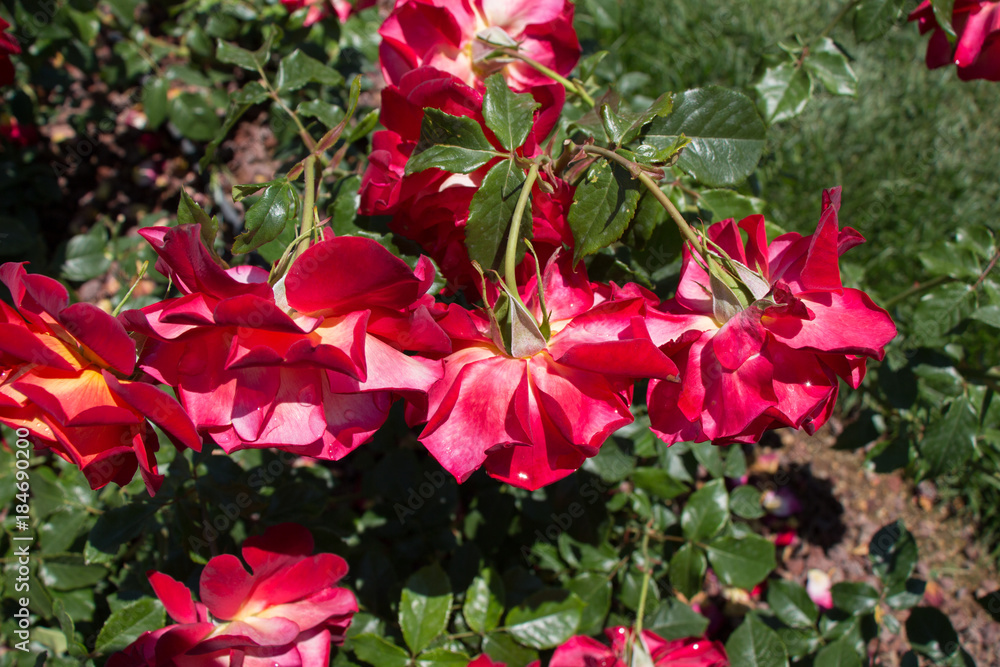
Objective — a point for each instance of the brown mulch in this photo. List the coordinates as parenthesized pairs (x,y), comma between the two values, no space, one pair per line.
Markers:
(844,504)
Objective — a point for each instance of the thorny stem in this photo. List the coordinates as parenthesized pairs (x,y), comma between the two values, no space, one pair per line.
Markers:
(306,137)
(916,289)
(128,294)
(646,576)
(836,19)
(571,86)
(637,172)
(515,229)
(310,204)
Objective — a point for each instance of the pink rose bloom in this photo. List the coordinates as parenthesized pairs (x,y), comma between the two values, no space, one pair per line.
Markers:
(64,373)
(818,587)
(449,36)
(976,53)
(432,207)
(534,418)
(320,9)
(777,361)
(311,367)
(286,611)
(584,651)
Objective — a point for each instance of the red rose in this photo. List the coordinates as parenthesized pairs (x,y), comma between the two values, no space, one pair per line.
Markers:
(8,47)
(64,376)
(776,361)
(286,611)
(976,52)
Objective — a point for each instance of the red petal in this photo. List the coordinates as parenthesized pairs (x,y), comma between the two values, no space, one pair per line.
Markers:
(160,408)
(175,596)
(102,334)
(225,584)
(279,546)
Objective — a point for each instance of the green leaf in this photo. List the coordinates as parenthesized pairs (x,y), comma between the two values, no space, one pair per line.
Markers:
(743,562)
(623,126)
(509,115)
(594,588)
(440,657)
(501,648)
(829,66)
(484,602)
(893,553)
(723,204)
(930,632)
(988,314)
(194,117)
(950,441)
(267,218)
(675,620)
(873,18)
(753,644)
(86,256)
(744,501)
(252,93)
(855,597)
(941,310)
(905,594)
(799,643)
(687,570)
(326,113)
(791,603)
(298,69)
(70,574)
(249,60)
(840,653)
(546,619)
(782,92)
(708,455)
(706,512)
(658,482)
(425,607)
(727,135)
(115,527)
(603,205)
(188,212)
(378,651)
(943,11)
(491,212)
(154,101)
(125,625)
(453,143)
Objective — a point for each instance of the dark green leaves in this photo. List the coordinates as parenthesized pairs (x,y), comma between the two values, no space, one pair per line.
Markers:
(687,570)
(125,625)
(675,620)
(490,214)
(484,602)
(755,645)
(603,205)
(508,114)
(854,596)
(298,69)
(658,482)
(378,651)
(248,60)
(742,561)
(87,255)
(546,619)
(828,65)
(706,512)
(791,603)
(453,143)
(727,135)
(268,217)
(930,632)
(893,553)
(783,92)
(622,126)
(951,439)
(425,607)
(194,117)
(873,18)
